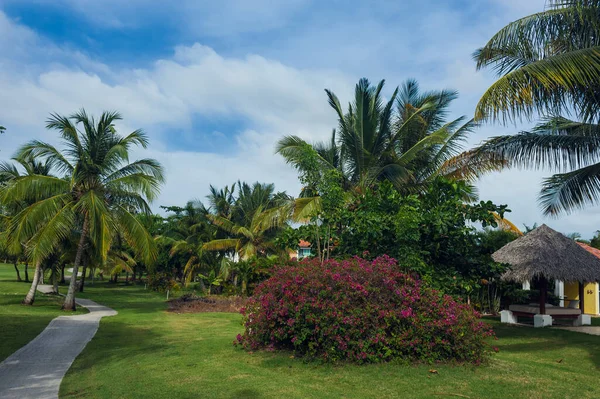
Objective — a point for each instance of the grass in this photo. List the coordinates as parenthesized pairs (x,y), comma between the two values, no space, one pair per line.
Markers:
(19,324)
(146,352)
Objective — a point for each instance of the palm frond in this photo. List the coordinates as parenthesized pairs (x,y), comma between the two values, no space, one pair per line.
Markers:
(567,192)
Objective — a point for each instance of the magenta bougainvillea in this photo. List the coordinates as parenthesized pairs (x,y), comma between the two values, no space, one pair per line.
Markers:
(360,311)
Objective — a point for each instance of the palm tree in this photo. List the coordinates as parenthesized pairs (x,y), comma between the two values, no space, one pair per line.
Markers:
(549,63)
(9,173)
(188,235)
(408,145)
(100,194)
(221,201)
(246,240)
(247,232)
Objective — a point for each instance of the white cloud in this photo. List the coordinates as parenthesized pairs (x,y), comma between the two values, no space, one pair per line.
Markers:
(272,97)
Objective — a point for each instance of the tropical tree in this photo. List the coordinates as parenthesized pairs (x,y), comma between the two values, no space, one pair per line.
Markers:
(250,230)
(253,238)
(9,173)
(406,140)
(188,232)
(549,63)
(99,195)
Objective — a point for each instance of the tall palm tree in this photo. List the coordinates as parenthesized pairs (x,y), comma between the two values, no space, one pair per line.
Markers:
(100,194)
(9,173)
(549,63)
(408,144)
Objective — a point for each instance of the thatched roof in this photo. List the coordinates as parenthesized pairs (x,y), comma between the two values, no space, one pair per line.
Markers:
(546,252)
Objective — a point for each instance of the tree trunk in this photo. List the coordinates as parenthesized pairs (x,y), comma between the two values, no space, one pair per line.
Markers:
(26,272)
(133,274)
(30,298)
(69,303)
(126,277)
(55,282)
(62,273)
(82,282)
(18,274)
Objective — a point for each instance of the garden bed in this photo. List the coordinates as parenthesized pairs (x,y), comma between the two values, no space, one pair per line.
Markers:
(191,303)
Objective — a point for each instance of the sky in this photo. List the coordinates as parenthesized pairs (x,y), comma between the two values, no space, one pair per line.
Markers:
(216,84)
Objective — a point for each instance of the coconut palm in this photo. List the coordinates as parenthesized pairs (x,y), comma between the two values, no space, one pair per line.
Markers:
(221,201)
(9,173)
(406,140)
(100,194)
(246,240)
(548,63)
(187,236)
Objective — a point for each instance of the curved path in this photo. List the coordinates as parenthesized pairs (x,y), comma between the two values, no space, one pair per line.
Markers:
(36,370)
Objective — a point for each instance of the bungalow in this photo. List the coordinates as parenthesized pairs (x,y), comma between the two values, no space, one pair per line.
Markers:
(569,292)
(304,250)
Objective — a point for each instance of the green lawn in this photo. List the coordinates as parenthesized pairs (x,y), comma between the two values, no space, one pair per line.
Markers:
(145,352)
(20,324)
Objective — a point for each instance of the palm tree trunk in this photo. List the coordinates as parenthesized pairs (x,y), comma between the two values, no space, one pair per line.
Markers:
(17,270)
(82,282)
(133,275)
(26,272)
(62,273)
(55,282)
(30,298)
(69,303)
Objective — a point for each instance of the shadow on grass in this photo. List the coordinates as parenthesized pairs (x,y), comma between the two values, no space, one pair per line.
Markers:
(532,341)
(246,394)
(118,343)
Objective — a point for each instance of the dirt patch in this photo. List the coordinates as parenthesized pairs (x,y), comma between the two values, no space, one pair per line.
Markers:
(199,304)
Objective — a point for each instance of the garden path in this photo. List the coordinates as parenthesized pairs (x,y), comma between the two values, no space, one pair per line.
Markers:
(585,330)
(37,369)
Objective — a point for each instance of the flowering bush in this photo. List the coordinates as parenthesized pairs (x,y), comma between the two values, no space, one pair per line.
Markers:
(360,311)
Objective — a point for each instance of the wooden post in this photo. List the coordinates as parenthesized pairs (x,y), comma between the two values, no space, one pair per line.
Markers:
(543,290)
(581,295)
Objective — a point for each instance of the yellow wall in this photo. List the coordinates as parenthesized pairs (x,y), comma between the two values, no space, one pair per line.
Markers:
(590,297)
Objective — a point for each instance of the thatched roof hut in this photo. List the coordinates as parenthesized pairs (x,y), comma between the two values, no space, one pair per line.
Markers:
(549,254)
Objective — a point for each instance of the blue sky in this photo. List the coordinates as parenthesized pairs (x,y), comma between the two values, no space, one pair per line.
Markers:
(215,84)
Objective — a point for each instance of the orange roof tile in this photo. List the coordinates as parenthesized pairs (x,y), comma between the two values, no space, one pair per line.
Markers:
(592,250)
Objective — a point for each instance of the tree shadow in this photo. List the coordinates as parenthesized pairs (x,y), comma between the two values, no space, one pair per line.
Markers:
(246,394)
(547,339)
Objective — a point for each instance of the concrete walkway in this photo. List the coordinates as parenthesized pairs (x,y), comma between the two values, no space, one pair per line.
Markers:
(36,370)
(591,330)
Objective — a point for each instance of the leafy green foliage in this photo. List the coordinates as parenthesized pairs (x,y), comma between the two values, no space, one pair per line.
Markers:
(97,196)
